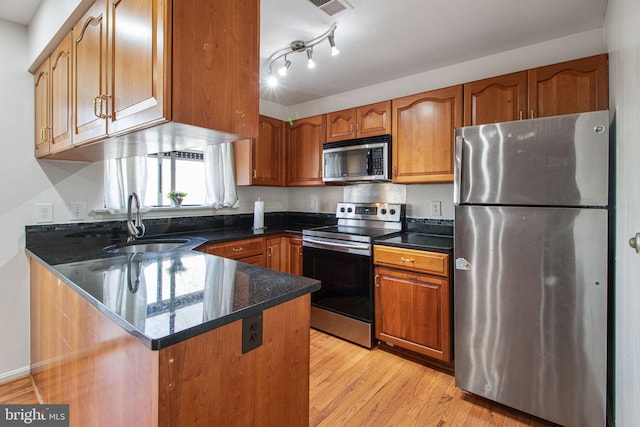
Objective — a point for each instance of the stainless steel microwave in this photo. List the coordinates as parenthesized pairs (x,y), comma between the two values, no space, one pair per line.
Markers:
(357,160)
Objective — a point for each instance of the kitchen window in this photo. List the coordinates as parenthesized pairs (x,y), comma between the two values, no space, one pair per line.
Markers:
(177,171)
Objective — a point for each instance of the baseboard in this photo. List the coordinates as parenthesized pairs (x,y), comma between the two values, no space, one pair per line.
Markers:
(15,374)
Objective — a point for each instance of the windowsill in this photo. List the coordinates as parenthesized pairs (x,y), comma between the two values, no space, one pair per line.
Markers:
(162,212)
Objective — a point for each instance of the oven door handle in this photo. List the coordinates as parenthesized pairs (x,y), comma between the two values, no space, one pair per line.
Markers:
(345,245)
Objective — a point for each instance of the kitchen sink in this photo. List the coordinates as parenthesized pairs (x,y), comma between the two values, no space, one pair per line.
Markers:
(155,245)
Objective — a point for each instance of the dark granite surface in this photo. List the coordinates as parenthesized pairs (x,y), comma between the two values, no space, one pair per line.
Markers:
(421,234)
(165,298)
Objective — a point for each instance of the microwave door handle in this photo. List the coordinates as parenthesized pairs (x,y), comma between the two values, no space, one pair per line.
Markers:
(369,162)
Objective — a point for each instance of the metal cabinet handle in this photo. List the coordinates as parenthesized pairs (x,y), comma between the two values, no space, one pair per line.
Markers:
(532,115)
(237,249)
(95,107)
(520,115)
(103,114)
(270,248)
(255,173)
(403,259)
(634,242)
(377,280)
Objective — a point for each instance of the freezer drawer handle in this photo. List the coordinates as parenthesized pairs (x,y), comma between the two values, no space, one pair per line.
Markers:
(634,242)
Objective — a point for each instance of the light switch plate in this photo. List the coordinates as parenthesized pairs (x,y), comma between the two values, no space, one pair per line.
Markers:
(44,212)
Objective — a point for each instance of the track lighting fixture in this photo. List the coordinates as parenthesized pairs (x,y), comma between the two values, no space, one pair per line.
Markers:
(299,46)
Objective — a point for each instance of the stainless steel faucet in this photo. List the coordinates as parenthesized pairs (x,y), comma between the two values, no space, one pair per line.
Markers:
(136,229)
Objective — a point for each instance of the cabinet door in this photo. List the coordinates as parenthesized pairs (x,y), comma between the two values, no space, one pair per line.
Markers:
(422,129)
(268,153)
(89,75)
(413,312)
(294,251)
(569,87)
(276,259)
(498,99)
(42,104)
(136,93)
(374,119)
(305,137)
(60,137)
(341,125)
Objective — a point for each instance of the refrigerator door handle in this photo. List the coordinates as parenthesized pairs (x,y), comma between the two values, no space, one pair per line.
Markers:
(457,170)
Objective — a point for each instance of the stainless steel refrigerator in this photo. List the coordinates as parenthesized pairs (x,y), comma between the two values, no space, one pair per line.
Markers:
(531,221)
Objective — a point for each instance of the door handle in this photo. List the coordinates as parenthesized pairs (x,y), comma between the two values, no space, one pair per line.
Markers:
(634,242)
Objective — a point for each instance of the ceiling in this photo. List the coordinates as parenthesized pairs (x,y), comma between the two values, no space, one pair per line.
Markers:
(382,40)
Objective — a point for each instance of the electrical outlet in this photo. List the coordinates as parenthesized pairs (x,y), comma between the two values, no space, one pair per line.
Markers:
(312,204)
(436,208)
(78,210)
(251,332)
(44,212)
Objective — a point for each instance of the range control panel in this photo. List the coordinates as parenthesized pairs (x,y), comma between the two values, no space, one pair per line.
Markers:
(393,212)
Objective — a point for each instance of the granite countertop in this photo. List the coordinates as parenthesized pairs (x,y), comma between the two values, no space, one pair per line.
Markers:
(164,297)
(419,241)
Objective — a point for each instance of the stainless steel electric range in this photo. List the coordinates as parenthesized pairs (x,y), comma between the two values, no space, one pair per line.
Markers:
(341,256)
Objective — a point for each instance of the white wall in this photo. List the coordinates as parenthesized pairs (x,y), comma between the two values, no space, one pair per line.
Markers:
(623,41)
(26,182)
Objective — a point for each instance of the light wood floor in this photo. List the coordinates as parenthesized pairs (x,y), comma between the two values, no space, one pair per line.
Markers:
(352,386)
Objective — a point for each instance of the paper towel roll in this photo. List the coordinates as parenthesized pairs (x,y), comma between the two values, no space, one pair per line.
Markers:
(258,215)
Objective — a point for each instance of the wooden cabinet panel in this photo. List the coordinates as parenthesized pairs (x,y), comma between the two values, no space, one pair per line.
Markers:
(250,251)
(294,252)
(341,125)
(42,103)
(413,312)
(422,129)
(498,99)
(60,135)
(276,253)
(374,119)
(304,141)
(408,259)
(368,120)
(136,64)
(261,161)
(569,87)
(90,74)
(215,73)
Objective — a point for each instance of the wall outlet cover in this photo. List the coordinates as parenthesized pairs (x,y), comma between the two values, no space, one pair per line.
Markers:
(78,210)
(44,212)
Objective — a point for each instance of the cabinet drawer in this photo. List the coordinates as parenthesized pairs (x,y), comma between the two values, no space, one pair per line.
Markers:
(237,249)
(410,259)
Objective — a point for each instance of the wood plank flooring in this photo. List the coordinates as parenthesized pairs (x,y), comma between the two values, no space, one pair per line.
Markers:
(351,386)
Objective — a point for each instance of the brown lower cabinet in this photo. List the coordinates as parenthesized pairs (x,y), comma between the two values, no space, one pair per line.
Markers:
(284,253)
(81,357)
(250,251)
(413,301)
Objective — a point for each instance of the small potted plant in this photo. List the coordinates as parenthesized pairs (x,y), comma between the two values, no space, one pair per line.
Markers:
(176,198)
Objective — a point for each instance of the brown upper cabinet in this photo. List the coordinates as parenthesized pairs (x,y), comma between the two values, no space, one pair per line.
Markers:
(498,99)
(53,101)
(261,161)
(119,68)
(158,75)
(569,87)
(304,143)
(368,120)
(422,133)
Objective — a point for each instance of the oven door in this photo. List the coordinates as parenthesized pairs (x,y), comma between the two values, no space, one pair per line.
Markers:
(347,277)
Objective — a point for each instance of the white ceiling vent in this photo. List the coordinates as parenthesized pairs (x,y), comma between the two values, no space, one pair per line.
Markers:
(331,7)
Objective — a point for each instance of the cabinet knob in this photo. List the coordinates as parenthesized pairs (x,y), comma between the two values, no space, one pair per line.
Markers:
(634,242)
